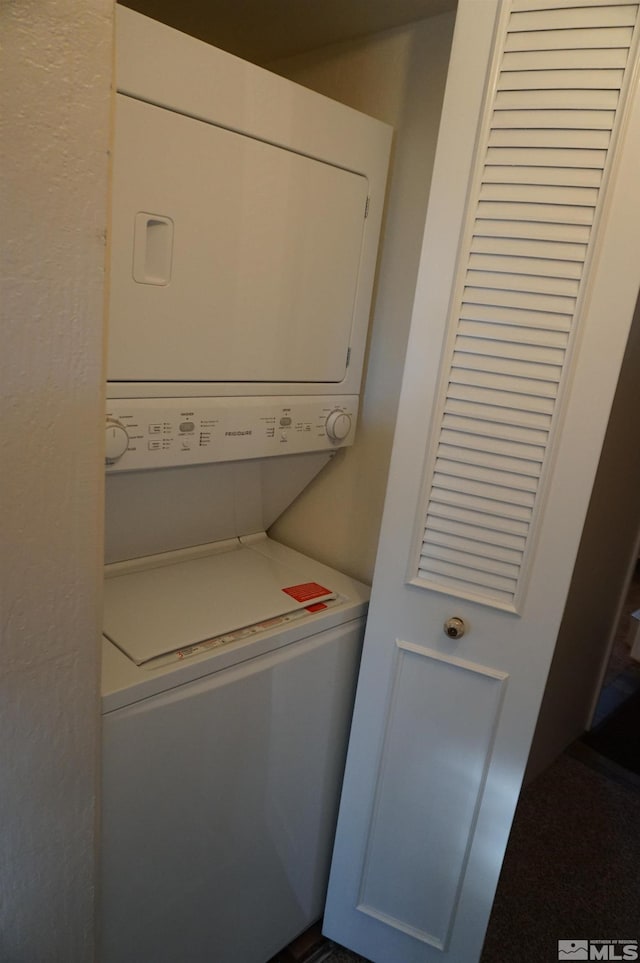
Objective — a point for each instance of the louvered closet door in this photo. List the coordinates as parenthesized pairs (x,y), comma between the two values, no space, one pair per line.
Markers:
(528,280)
(519,290)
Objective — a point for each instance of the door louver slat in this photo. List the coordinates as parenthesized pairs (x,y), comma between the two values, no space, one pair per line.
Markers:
(440,553)
(604,14)
(567,59)
(495,475)
(533,319)
(517,391)
(541,250)
(536,267)
(497,330)
(519,283)
(510,433)
(576,98)
(533,283)
(602,79)
(448,542)
(546,303)
(479,445)
(535,230)
(472,455)
(503,494)
(534,210)
(517,349)
(456,574)
(532,137)
(476,370)
(506,524)
(477,507)
(557,176)
(548,157)
(508,415)
(521,399)
(495,540)
(531,116)
(575,39)
(525,193)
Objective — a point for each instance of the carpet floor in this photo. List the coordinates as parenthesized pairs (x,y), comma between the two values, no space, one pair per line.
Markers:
(572,867)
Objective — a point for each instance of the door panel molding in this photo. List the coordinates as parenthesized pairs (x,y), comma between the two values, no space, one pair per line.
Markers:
(426,827)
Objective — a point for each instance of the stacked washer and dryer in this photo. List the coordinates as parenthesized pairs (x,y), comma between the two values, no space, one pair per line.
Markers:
(245,224)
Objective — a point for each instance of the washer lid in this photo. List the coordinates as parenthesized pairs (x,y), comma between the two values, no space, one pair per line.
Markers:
(154,611)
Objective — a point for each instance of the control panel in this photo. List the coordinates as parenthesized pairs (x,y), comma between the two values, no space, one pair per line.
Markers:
(146,433)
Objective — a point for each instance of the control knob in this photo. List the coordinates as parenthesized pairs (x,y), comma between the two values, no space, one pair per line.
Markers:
(338,425)
(117,441)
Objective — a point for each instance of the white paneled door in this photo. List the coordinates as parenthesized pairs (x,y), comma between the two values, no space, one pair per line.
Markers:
(528,281)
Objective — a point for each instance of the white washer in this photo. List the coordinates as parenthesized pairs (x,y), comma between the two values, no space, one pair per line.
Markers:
(223,748)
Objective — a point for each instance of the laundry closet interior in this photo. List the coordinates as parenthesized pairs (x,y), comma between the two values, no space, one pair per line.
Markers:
(389,61)
(225,734)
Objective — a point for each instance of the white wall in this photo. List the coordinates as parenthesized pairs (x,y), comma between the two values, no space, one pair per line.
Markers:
(397,76)
(56,69)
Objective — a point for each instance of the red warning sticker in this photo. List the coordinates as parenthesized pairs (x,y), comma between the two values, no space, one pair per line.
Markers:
(316,607)
(307,591)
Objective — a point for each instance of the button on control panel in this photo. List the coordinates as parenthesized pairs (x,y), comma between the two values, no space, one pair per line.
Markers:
(165,432)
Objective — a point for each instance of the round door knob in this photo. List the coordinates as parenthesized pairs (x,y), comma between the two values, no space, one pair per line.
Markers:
(338,425)
(455,628)
(117,442)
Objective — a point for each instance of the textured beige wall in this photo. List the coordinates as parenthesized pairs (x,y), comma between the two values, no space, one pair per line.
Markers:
(56,69)
(399,77)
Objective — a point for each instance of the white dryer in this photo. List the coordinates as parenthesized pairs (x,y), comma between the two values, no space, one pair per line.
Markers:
(228,681)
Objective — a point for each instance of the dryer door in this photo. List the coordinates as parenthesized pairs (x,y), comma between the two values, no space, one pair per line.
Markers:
(232,259)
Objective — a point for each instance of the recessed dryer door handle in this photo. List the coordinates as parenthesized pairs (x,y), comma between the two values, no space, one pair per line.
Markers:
(152,248)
